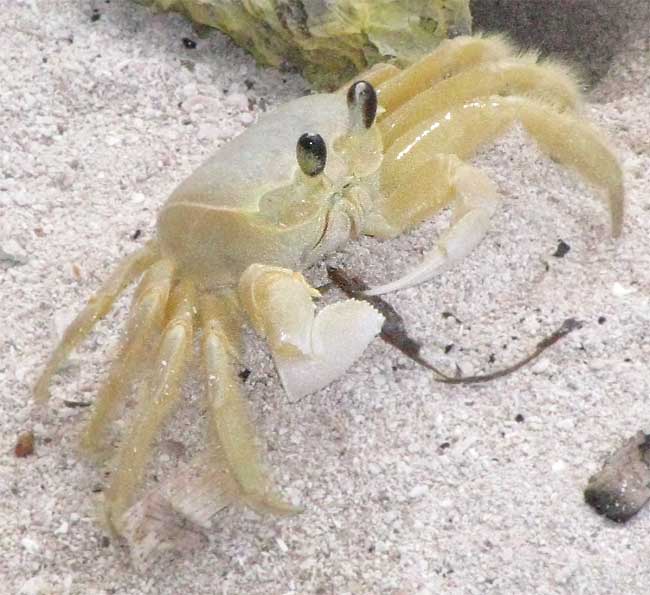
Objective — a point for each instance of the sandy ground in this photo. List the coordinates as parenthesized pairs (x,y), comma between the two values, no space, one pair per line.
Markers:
(409,486)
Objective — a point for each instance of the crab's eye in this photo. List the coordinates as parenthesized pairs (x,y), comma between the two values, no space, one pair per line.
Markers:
(362,102)
(311,153)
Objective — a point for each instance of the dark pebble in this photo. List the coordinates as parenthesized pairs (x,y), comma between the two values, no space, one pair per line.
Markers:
(562,249)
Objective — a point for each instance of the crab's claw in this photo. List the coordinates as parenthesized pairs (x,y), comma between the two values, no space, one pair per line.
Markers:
(310,350)
(337,336)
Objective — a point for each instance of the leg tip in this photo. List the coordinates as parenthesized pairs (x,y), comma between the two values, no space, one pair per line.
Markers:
(41,391)
(617,209)
(271,504)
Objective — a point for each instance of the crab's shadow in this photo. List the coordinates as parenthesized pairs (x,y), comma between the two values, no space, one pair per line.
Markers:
(585,33)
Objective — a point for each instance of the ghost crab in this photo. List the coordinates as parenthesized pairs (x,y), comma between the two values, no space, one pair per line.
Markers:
(375,158)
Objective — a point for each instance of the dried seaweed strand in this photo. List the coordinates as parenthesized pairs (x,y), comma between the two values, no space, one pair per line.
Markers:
(393,331)
(395,334)
(570,324)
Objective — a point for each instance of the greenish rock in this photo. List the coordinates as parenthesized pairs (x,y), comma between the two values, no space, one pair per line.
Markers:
(330,41)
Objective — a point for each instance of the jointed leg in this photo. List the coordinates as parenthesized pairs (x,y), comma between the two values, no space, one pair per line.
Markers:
(462,130)
(547,81)
(475,201)
(309,350)
(147,317)
(375,75)
(98,306)
(230,425)
(158,397)
(411,197)
(451,57)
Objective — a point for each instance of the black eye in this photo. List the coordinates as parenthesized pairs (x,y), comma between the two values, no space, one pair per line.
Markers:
(362,101)
(311,153)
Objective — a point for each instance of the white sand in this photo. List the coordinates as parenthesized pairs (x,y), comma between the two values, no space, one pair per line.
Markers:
(92,139)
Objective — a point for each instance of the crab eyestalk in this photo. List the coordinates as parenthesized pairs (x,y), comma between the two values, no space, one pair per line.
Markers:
(362,103)
(361,149)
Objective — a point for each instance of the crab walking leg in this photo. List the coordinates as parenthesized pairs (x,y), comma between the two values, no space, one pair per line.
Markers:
(309,350)
(475,202)
(147,316)
(375,75)
(521,76)
(450,57)
(463,129)
(407,200)
(158,397)
(97,307)
(229,419)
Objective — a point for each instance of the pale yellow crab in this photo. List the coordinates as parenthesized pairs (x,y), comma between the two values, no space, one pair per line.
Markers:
(376,158)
